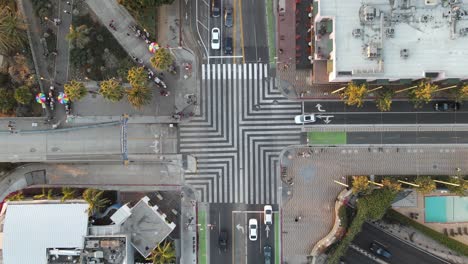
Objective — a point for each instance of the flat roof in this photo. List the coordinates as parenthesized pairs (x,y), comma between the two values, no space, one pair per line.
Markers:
(31,228)
(429,33)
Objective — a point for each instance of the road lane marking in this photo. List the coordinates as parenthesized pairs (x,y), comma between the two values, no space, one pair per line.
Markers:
(242,31)
(203,25)
(234,21)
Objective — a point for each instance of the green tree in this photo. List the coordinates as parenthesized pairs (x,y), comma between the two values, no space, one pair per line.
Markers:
(354,94)
(111,90)
(78,37)
(95,200)
(391,184)
(462,187)
(164,253)
(67,194)
(23,95)
(7,100)
(19,196)
(461,93)
(162,59)
(361,185)
(139,5)
(423,93)
(384,100)
(139,96)
(137,77)
(75,90)
(426,184)
(12,30)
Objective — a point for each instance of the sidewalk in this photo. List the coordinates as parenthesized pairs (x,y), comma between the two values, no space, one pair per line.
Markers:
(188,226)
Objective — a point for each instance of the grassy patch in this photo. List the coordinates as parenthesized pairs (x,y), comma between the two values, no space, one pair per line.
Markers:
(394,216)
(271,32)
(277,238)
(202,237)
(147,19)
(328,138)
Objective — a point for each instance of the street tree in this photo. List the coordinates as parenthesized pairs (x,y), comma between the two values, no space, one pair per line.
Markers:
(137,77)
(426,184)
(162,59)
(139,96)
(354,94)
(12,30)
(361,185)
(95,200)
(140,5)
(461,189)
(19,196)
(461,93)
(23,95)
(68,193)
(384,100)
(111,90)
(7,100)
(78,36)
(423,93)
(75,90)
(163,253)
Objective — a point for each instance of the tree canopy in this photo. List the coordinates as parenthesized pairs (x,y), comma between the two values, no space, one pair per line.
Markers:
(95,200)
(162,59)
(111,90)
(75,90)
(164,253)
(354,94)
(423,93)
(361,185)
(462,187)
(384,100)
(12,30)
(426,184)
(137,76)
(7,100)
(78,36)
(139,96)
(23,95)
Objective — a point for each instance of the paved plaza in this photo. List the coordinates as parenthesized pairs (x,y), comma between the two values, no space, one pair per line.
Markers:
(244,123)
(311,192)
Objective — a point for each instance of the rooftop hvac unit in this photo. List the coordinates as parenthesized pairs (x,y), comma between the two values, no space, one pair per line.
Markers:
(390,32)
(404,53)
(372,51)
(369,13)
(357,32)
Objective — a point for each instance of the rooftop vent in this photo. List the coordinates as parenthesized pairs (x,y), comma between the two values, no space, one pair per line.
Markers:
(357,32)
(404,53)
(372,51)
(390,32)
(369,13)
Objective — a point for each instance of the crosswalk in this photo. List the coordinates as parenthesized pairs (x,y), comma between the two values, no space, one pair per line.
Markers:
(243,125)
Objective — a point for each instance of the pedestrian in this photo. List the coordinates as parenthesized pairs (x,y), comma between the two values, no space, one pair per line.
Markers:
(128,34)
(66,11)
(68,3)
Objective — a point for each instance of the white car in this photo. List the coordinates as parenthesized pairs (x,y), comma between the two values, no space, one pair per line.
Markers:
(215,39)
(304,119)
(268,215)
(253,227)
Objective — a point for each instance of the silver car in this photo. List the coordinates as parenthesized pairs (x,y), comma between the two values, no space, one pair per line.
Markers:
(304,119)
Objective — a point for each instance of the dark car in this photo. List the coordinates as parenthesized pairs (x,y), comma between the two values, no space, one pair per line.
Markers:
(446,106)
(215,8)
(228,46)
(267,254)
(223,240)
(228,17)
(380,250)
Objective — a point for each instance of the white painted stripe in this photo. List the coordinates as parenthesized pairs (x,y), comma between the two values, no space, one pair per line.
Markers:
(229,71)
(250,77)
(255,65)
(234,72)
(203,71)
(265,70)
(218,71)
(260,73)
(245,71)
(208,72)
(224,71)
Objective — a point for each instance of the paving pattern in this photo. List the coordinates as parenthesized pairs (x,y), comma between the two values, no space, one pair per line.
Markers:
(244,123)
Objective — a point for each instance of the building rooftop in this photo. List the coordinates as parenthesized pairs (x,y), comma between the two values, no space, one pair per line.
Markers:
(397,39)
(32,229)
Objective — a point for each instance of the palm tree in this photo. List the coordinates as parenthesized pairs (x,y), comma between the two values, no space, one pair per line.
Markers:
(384,100)
(67,194)
(111,90)
(23,95)
(95,200)
(164,253)
(354,94)
(78,37)
(162,59)
(137,76)
(12,30)
(139,96)
(19,196)
(75,90)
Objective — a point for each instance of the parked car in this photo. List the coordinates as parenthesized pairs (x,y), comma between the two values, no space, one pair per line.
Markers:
(253,229)
(267,254)
(223,240)
(268,214)
(304,119)
(228,46)
(215,38)
(380,250)
(446,106)
(228,17)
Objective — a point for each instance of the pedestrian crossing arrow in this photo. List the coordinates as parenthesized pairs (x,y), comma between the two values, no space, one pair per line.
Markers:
(241,228)
(267,229)
(319,108)
(325,118)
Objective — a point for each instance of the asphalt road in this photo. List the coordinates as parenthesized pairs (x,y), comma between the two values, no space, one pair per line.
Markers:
(255,31)
(232,218)
(353,256)
(402,113)
(402,253)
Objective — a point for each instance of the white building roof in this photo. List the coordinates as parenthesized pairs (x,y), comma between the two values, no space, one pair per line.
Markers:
(29,229)
(121,215)
(433,42)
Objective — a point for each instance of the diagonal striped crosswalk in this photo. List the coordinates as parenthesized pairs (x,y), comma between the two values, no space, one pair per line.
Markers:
(244,123)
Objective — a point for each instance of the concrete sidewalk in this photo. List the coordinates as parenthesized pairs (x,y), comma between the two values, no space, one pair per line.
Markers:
(188,226)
